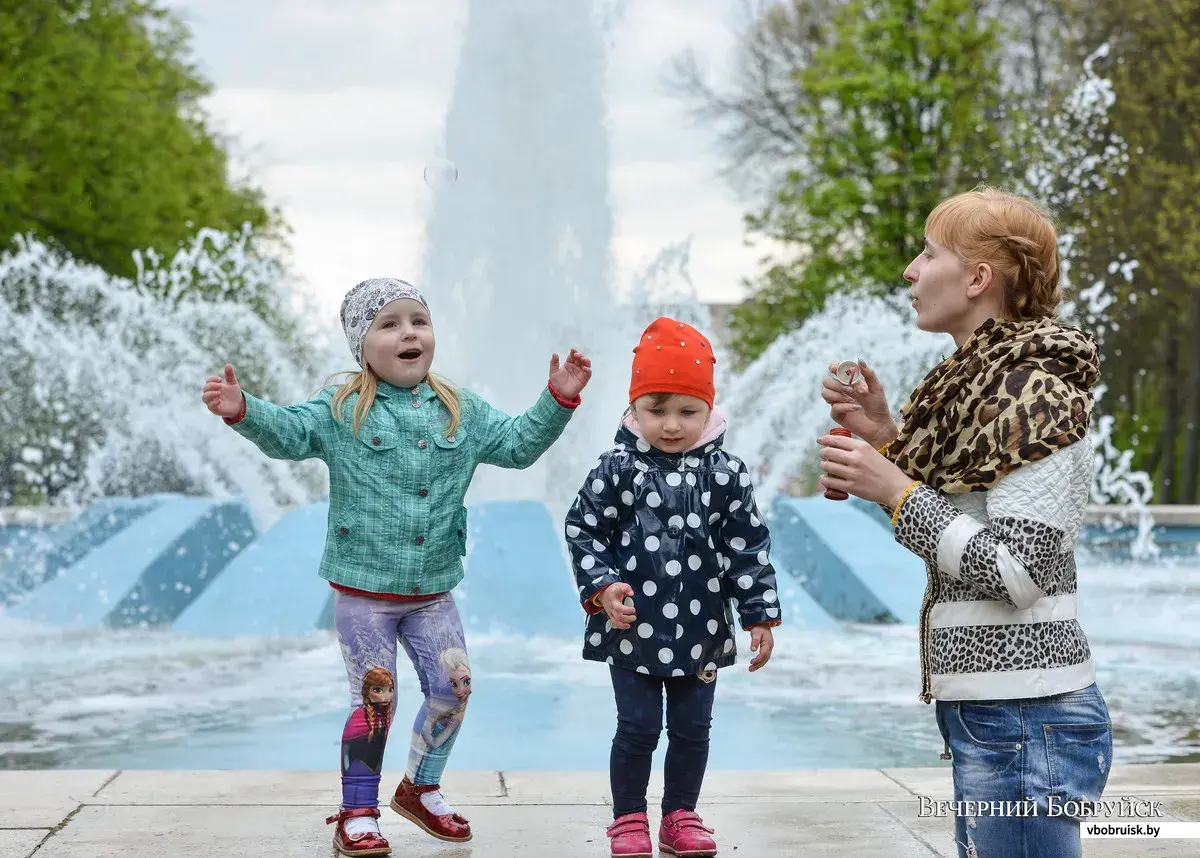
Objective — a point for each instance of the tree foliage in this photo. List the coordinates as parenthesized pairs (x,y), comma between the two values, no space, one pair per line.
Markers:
(1149,214)
(893,104)
(104,148)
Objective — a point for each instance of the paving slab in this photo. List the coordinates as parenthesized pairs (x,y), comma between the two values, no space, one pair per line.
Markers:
(861,813)
(834,785)
(542,832)
(1158,779)
(581,788)
(43,799)
(933,781)
(20,843)
(315,789)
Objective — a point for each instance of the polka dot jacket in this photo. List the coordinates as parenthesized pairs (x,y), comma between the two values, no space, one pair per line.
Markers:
(683,531)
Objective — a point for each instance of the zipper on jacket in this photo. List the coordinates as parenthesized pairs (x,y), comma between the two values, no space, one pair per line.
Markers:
(932,591)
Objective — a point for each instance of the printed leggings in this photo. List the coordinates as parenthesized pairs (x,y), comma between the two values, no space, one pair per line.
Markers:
(431,633)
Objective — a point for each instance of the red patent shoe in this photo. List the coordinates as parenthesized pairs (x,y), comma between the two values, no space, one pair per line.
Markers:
(684,834)
(407,802)
(369,843)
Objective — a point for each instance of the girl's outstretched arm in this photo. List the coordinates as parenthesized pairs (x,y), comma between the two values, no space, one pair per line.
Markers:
(282,432)
(517,442)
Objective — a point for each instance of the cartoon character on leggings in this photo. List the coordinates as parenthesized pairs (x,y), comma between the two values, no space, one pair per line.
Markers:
(440,726)
(365,736)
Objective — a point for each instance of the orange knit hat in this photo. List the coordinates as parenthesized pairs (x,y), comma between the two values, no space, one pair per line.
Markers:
(673,357)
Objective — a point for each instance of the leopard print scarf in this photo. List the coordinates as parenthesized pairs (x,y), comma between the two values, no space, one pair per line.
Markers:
(1014,393)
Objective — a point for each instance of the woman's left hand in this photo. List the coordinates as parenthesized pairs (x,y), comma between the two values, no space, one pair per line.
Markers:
(855,467)
(572,377)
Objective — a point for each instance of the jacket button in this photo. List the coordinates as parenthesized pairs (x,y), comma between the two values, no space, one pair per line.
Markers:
(423,492)
(344,531)
(460,534)
(420,540)
(375,441)
(416,403)
(673,532)
(416,591)
(421,444)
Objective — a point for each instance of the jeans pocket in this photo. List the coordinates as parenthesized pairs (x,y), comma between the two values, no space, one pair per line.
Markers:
(1078,758)
(990,726)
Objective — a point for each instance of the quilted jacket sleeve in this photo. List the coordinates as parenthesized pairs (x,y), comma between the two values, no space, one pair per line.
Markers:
(1034,517)
(591,528)
(292,432)
(517,442)
(750,577)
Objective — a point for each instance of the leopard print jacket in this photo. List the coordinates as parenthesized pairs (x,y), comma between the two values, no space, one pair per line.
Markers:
(996,437)
(998,621)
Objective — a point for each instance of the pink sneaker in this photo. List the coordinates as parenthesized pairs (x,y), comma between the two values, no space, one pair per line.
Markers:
(684,834)
(629,837)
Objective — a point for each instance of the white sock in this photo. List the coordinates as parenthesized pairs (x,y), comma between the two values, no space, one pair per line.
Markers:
(357,826)
(435,803)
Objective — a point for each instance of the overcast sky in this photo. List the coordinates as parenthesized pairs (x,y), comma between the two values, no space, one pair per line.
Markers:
(299,82)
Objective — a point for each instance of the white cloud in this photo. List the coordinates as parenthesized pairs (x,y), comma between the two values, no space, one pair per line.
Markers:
(337,107)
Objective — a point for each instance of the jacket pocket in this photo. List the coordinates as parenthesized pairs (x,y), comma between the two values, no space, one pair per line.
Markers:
(378,453)
(460,526)
(452,451)
(344,532)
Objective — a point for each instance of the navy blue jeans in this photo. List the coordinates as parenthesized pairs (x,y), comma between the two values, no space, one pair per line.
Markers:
(1052,752)
(639,724)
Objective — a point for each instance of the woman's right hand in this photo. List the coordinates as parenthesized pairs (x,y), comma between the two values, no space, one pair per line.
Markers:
(861,407)
(223,396)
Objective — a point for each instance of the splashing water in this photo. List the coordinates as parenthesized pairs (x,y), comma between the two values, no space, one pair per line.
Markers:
(110,374)
(518,266)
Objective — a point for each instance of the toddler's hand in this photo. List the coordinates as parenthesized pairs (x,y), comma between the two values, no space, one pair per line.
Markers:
(762,641)
(224,396)
(572,377)
(613,599)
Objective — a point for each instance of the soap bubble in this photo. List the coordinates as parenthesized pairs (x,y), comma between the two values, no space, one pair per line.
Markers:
(440,174)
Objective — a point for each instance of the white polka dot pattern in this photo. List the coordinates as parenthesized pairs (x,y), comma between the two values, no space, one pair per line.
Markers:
(684,533)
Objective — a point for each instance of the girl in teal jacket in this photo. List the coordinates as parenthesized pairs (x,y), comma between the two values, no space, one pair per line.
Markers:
(402,445)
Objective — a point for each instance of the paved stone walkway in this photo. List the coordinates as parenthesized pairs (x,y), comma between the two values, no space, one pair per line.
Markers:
(210,814)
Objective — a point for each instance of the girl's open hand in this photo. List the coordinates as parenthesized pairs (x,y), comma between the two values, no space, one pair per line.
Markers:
(223,396)
(613,598)
(572,377)
(857,468)
(762,642)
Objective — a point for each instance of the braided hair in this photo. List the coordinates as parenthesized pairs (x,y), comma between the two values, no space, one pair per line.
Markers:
(1015,236)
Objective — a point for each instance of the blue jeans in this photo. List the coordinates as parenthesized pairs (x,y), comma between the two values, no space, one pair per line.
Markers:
(639,723)
(1048,752)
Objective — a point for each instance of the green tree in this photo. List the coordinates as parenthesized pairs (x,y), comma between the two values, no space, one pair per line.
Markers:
(1149,212)
(104,148)
(896,106)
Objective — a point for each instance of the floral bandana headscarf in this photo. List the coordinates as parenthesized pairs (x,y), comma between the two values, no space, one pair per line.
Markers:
(363,303)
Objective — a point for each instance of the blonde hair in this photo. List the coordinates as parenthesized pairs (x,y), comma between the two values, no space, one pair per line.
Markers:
(1012,234)
(366,383)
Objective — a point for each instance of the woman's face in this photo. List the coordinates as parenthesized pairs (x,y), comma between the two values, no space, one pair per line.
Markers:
(939,288)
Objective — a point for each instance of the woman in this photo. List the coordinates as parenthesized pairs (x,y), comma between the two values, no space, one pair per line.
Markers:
(986,478)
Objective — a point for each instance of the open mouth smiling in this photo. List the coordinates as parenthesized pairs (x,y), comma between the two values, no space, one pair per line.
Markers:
(409,354)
